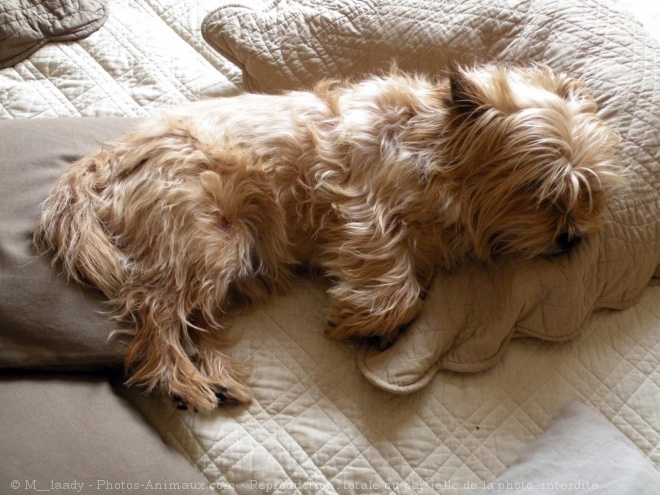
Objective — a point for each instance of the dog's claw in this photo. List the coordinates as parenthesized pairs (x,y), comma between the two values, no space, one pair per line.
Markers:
(180,404)
(224,397)
(222,394)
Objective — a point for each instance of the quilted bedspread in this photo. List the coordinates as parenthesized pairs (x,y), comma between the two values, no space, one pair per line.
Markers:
(329,417)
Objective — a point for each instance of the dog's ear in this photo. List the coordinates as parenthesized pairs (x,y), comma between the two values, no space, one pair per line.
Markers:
(462,94)
(568,87)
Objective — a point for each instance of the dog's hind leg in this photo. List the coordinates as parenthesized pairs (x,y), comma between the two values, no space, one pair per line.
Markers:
(256,224)
(164,302)
(223,244)
(156,358)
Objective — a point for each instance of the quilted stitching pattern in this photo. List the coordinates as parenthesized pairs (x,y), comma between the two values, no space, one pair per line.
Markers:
(149,54)
(316,422)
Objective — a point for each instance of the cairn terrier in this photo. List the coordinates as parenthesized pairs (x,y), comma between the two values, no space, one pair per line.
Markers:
(376,183)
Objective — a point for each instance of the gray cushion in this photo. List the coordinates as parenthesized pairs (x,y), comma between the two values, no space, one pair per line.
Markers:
(59,429)
(46,322)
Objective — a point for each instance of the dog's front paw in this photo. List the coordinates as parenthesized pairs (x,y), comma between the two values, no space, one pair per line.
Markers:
(370,340)
(357,327)
(379,328)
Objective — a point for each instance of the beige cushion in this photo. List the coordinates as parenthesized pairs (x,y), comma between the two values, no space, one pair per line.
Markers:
(27,25)
(471,316)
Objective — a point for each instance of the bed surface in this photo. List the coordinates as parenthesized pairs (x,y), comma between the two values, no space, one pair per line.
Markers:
(316,419)
(317,424)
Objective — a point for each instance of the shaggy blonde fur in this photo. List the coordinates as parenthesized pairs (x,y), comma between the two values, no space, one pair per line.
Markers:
(378,183)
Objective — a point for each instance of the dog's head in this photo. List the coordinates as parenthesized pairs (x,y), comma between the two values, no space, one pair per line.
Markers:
(534,164)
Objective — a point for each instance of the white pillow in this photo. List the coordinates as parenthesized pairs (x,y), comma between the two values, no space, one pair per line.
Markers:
(581,452)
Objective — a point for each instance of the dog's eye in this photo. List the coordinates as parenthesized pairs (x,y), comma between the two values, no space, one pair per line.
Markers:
(568,241)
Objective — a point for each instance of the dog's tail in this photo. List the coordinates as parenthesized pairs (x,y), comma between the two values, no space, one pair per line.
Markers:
(72,228)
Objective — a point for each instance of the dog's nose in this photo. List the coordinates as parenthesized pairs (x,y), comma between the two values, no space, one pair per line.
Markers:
(567,241)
